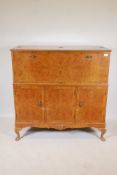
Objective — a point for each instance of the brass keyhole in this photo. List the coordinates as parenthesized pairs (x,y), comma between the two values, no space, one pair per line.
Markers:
(81,103)
(33,56)
(40,104)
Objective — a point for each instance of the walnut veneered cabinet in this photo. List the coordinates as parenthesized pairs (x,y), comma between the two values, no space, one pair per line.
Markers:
(64,87)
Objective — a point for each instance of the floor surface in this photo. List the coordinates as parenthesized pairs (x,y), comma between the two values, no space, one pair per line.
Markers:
(50,152)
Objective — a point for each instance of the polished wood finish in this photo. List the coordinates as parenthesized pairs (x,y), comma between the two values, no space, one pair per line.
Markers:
(60,88)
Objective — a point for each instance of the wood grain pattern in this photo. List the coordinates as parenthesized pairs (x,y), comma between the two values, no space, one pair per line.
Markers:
(29,103)
(91,104)
(65,67)
(60,89)
(60,104)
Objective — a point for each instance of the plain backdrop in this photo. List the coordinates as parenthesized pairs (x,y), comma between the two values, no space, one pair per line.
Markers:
(56,22)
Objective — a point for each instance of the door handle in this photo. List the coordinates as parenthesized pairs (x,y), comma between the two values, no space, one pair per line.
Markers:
(81,103)
(40,104)
(33,56)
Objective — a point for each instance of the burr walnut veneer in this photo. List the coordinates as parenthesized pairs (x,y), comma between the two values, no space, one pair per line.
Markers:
(60,87)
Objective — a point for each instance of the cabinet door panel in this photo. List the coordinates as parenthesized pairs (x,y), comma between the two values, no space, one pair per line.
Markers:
(35,67)
(60,104)
(81,67)
(91,104)
(29,103)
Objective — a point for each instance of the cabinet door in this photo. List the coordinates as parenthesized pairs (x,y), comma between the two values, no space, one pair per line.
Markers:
(60,104)
(91,104)
(29,103)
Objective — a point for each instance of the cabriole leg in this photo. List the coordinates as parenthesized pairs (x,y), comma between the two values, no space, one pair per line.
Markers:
(103,131)
(18,134)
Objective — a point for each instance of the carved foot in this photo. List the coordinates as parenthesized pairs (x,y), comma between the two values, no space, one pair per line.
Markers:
(18,135)
(103,131)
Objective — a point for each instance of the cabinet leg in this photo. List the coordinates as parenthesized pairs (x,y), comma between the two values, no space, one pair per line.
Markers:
(18,135)
(103,131)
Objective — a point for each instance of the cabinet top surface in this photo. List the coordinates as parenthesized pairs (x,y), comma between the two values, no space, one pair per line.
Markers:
(61,48)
